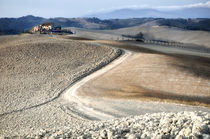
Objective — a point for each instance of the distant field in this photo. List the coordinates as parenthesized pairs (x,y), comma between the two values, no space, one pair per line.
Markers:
(155,32)
(151,31)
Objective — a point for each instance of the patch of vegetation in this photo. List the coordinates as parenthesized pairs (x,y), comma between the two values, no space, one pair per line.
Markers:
(137,37)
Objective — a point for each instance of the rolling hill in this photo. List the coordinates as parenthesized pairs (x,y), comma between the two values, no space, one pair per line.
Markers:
(22,24)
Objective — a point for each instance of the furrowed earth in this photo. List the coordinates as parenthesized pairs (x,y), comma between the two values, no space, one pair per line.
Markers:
(35,70)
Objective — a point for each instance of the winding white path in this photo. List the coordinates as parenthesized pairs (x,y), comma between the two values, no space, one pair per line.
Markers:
(104,108)
(70,94)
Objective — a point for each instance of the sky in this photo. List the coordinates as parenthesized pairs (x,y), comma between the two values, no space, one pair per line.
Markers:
(79,8)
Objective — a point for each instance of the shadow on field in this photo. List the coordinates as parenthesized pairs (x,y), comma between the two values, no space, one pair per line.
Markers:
(180,98)
(195,65)
(145,94)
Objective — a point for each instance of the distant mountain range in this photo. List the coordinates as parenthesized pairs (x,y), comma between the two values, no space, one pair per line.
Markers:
(22,24)
(192,12)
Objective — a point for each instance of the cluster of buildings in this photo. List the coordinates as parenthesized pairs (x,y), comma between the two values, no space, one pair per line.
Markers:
(46,28)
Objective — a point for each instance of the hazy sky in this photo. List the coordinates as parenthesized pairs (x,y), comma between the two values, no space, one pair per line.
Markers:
(78,8)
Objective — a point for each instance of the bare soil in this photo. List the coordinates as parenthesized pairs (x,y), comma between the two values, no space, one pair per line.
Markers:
(34,72)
